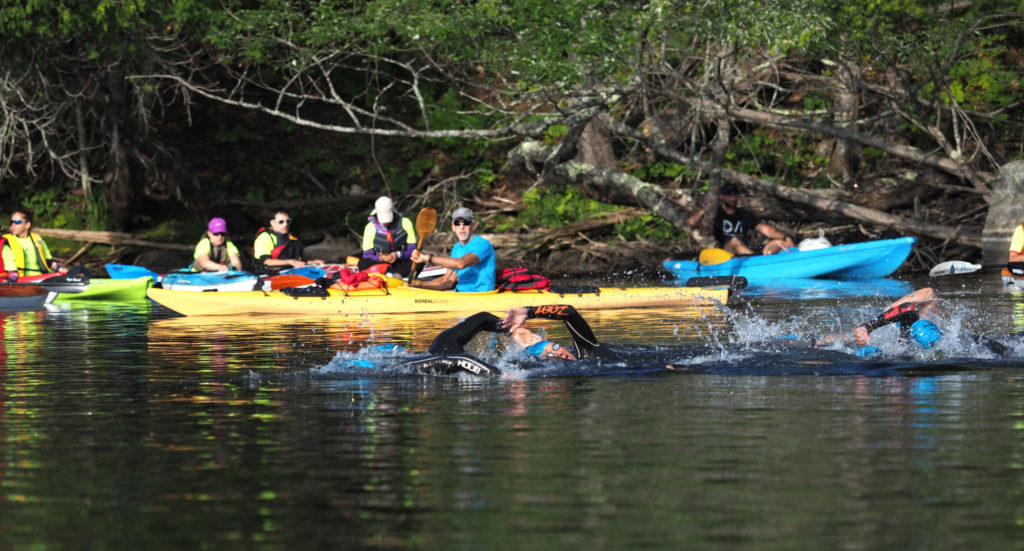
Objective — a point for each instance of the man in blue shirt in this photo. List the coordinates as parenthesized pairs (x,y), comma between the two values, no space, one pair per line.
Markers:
(470,268)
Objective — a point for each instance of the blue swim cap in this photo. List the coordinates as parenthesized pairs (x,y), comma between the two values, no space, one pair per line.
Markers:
(390,348)
(537,348)
(925,333)
(868,351)
(366,364)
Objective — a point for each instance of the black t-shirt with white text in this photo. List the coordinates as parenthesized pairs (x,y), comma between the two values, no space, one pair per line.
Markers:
(738,224)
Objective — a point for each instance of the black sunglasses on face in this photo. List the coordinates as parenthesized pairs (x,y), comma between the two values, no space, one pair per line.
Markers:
(220,234)
(461,222)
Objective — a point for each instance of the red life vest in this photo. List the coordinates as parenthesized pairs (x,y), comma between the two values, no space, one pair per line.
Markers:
(278,248)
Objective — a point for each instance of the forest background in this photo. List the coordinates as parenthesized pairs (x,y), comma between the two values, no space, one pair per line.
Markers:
(582,133)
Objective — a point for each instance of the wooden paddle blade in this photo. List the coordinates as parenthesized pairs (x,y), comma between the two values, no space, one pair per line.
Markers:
(426,221)
(714,256)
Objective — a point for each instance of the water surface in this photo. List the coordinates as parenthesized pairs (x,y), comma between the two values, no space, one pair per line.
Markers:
(125,425)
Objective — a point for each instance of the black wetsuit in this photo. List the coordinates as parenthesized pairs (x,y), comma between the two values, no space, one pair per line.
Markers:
(448,352)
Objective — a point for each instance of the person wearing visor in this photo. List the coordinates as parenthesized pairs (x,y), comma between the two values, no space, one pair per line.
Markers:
(388,238)
(214,253)
(25,253)
(275,248)
(470,268)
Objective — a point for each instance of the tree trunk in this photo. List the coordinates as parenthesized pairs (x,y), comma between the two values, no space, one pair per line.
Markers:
(847,110)
(1005,212)
(109,238)
(118,181)
(596,145)
(83,161)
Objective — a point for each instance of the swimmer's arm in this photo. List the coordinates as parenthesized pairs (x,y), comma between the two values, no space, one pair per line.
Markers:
(902,312)
(516,317)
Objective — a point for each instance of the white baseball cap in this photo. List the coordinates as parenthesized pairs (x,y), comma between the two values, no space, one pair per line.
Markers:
(384,210)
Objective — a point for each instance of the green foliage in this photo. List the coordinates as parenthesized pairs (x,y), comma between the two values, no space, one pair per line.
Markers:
(554,133)
(649,227)
(652,171)
(814,103)
(554,207)
(762,153)
(53,209)
(984,81)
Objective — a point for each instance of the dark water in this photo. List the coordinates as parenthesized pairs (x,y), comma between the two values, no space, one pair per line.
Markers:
(123,426)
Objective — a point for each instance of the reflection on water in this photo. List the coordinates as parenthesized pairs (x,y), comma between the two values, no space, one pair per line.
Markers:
(126,423)
(807,288)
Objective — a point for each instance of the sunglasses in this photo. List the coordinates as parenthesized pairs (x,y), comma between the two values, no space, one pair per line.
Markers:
(220,233)
(285,221)
(461,222)
(17,221)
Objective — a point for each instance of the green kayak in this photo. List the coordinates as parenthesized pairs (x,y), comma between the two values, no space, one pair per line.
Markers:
(111,289)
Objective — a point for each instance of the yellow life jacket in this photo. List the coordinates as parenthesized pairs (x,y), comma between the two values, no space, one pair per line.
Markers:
(19,253)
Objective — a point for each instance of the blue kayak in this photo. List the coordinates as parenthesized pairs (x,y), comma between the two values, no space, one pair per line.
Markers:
(870,259)
(210,281)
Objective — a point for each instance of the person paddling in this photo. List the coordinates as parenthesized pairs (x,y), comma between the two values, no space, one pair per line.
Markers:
(471,267)
(214,252)
(275,248)
(734,227)
(25,253)
(388,238)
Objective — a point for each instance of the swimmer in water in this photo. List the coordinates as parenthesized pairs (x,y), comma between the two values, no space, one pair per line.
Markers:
(448,354)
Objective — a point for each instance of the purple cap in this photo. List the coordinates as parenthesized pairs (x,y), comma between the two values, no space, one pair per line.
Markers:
(217,225)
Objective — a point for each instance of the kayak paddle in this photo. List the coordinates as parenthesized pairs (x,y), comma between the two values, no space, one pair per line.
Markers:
(734,282)
(285,281)
(426,220)
(951,267)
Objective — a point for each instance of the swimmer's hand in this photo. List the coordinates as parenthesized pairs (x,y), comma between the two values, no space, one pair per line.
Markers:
(514,319)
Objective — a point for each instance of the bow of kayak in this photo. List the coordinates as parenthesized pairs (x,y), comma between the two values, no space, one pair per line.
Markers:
(867,260)
(111,289)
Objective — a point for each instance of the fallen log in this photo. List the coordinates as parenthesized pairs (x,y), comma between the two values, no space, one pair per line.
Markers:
(109,238)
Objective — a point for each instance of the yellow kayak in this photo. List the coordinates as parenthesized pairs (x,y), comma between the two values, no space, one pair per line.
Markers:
(397,298)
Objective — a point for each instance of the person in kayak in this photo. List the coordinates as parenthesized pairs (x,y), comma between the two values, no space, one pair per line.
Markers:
(471,267)
(25,253)
(733,226)
(1015,259)
(275,248)
(214,253)
(388,238)
(448,353)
